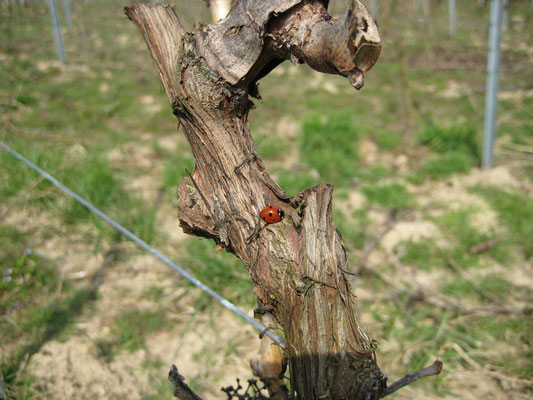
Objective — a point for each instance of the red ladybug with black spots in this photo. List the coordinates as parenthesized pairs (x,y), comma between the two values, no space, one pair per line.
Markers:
(272,214)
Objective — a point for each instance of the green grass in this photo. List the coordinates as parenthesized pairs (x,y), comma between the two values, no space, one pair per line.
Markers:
(17,177)
(457,225)
(516,213)
(294,182)
(94,181)
(175,170)
(272,146)
(423,254)
(131,328)
(442,166)
(458,138)
(437,334)
(32,312)
(388,140)
(330,144)
(484,287)
(528,171)
(90,177)
(393,196)
(162,390)
(23,272)
(508,329)
(221,271)
(460,236)
(457,148)
(154,293)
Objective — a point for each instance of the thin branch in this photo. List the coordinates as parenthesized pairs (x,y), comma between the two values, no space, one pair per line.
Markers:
(164,36)
(435,298)
(486,245)
(519,148)
(487,371)
(433,369)
(179,388)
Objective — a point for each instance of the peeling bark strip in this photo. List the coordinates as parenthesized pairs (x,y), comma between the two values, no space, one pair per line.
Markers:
(297,264)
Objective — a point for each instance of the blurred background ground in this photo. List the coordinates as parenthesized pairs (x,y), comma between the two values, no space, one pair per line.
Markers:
(443,250)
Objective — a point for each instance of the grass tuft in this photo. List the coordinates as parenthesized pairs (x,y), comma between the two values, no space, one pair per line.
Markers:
(442,166)
(457,148)
(221,271)
(393,195)
(458,138)
(516,212)
(132,327)
(424,254)
(330,144)
(28,296)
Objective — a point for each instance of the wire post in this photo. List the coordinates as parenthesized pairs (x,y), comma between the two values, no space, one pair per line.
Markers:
(452,14)
(68,15)
(491,93)
(57,31)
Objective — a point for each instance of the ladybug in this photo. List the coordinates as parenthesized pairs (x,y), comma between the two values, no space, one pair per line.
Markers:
(272,214)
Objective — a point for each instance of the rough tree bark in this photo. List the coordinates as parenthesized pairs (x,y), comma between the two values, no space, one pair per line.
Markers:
(298,265)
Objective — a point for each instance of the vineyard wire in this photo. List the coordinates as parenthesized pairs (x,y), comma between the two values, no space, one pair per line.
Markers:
(230,306)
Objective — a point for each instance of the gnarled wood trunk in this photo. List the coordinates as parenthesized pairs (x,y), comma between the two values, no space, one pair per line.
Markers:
(297,265)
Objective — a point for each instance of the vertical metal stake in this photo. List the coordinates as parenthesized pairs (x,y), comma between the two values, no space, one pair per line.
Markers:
(68,15)
(451,8)
(491,94)
(57,31)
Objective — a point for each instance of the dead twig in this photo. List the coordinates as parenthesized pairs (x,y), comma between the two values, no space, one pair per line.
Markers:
(430,296)
(464,355)
(486,245)
(39,135)
(519,148)
(179,388)
(479,290)
(433,369)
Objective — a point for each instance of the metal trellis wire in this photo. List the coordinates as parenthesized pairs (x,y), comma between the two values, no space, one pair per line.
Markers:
(230,306)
